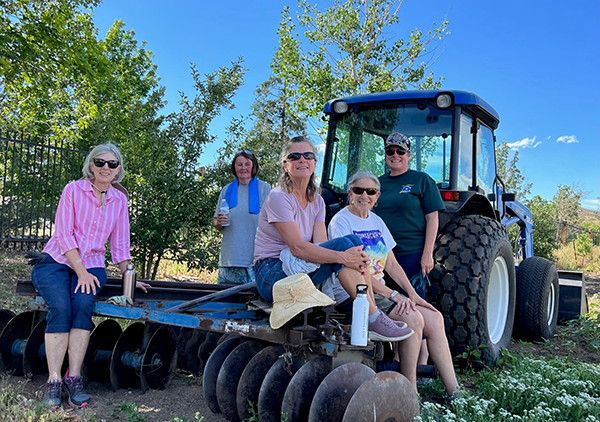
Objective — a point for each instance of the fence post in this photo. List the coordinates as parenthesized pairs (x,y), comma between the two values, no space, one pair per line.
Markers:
(563,239)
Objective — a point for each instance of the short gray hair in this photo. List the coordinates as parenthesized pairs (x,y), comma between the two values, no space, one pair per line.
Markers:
(363,174)
(99,150)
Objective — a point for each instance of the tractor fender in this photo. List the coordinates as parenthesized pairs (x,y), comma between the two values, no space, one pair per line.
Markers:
(468,203)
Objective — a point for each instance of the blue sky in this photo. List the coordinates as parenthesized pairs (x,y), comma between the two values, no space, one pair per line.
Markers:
(536,62)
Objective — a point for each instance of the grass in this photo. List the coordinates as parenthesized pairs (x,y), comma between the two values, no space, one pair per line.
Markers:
(528,389)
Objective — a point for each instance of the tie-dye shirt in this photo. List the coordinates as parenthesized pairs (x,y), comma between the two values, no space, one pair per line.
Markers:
(373,232)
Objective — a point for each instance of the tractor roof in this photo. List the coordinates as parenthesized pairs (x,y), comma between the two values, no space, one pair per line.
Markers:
(468,100)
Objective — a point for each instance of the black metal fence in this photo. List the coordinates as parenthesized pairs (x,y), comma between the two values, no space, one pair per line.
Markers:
(34,173)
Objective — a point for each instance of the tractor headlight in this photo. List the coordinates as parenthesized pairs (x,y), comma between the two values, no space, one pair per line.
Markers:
(340,107)
(443,100)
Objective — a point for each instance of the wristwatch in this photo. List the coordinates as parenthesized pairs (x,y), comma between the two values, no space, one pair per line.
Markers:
(394,293)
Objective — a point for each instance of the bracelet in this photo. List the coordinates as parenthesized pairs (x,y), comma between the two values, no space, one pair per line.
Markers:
(394,293)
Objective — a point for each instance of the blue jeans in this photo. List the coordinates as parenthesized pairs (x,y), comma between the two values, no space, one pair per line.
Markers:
(269,270)
(66,309)
(235,275)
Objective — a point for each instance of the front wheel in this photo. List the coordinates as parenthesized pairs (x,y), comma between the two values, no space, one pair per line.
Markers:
(473,285)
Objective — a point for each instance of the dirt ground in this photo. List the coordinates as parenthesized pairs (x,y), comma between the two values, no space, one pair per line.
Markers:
(183,398)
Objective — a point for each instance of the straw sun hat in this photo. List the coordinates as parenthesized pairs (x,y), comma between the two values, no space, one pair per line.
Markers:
(292,295)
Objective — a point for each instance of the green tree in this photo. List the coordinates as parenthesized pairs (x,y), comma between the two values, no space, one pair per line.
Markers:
(49,60)
(508,170)
(544,232)
(350,53)
(568,201)
(172,203)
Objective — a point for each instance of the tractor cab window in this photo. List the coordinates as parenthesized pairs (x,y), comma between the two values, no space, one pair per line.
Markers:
(357,141)
(486,163)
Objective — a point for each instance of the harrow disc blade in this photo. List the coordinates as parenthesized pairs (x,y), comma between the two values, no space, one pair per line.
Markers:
(301,389)
(273,388)
(191,350)
(122,376)
(206,348)
(185,334)
(333,395)
(34,358)
(5,316)
(13,339)
(96,364)
(253,376)
(160,359)
(229,376)
(387,397)
(211,371)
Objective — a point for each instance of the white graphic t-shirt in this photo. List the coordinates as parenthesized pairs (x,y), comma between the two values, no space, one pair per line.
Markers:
(376,238)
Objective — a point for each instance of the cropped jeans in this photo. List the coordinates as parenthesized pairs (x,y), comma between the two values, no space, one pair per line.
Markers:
(66,309)
(270,270)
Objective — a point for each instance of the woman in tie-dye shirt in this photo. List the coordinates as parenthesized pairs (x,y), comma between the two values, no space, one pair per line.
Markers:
(357,218)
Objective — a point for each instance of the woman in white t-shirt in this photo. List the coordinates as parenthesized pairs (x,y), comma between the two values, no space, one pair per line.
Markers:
(293,216)
(422,317)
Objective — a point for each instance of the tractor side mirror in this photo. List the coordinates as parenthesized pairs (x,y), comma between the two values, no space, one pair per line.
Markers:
(508,197)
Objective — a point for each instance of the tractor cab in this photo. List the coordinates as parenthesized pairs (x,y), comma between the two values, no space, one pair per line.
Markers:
(452,139)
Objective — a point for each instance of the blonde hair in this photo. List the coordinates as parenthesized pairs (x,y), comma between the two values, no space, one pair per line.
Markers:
(312,190)
(99,150)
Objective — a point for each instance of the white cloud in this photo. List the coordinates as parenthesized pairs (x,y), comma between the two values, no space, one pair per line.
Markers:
(524,143)
(549,137)
(571,139)
(591,204)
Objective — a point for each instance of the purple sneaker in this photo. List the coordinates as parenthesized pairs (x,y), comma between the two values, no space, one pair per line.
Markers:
(384,329)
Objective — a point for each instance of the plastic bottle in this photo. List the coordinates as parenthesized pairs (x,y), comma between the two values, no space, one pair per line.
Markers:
(224,209)
(129,280)
(360,317)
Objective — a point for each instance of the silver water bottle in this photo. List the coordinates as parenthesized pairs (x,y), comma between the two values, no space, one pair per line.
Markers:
(360,317)
(129,280)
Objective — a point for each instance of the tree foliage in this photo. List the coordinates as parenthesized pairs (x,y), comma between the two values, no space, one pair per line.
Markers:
(544,232)
(353,48)
(508,170)
(49,60)
(172,202)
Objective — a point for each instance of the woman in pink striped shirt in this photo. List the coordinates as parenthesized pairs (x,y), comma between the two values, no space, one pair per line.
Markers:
(91,211)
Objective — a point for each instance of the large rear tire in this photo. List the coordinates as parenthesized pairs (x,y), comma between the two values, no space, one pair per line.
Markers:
(537,299)
(473,285)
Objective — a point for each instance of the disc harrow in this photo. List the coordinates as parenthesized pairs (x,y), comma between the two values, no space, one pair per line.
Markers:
(305,371)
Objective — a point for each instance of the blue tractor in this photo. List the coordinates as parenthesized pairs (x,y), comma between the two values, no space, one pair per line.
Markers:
(487,289)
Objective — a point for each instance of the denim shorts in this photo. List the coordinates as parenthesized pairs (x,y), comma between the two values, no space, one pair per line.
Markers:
(411,264)
(270,270)
(66,309)
(235,275)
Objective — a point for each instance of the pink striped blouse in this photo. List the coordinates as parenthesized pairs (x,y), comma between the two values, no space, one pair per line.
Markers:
(82,223)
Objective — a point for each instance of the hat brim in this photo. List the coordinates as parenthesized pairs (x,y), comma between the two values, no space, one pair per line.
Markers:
(286,310)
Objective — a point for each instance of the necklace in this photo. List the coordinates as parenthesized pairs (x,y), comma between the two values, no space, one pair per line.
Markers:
(102,192)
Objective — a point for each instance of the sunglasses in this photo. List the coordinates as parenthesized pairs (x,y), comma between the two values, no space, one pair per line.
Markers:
(112,164)
(297,155)
(390,151)
(370,191)
(245,151)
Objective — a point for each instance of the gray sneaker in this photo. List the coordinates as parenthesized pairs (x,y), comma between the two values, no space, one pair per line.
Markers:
(52,396)
(74,388)
(384,329)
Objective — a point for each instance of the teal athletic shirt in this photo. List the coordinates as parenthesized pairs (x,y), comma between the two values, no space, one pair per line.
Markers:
(403,203)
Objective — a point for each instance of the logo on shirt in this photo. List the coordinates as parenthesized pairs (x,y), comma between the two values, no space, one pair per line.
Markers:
(406,188)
